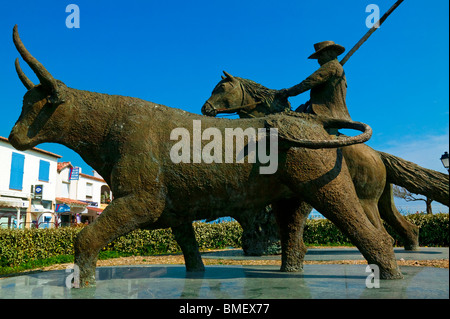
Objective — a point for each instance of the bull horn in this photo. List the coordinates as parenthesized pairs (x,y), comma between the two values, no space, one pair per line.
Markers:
(45,78)
(228,75)
(26,81)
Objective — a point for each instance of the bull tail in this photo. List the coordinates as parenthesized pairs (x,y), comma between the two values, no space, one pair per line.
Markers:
(416,179)
(288,126)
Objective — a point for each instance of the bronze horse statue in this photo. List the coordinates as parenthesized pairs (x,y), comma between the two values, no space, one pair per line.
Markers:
(372,172)
(129,142)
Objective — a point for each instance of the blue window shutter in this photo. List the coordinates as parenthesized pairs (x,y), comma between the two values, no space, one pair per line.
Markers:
(44,171)
(16,177)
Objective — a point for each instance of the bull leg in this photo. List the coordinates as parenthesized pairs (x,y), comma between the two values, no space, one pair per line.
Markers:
(407,231)
(123,215)
(185,237)
(291,216)
(337,201)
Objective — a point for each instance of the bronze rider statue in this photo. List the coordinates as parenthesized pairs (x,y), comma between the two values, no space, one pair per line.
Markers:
(328,84)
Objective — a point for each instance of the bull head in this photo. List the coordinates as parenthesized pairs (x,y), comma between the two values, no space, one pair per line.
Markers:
(35,124)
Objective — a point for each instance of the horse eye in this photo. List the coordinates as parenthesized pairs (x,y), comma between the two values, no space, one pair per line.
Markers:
(219,88)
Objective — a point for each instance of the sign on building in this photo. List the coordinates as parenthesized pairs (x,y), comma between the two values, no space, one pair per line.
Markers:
(74,174)
(62,208)
(37,191)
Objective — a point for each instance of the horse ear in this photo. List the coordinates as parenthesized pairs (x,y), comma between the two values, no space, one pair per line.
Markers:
(228,75)
(223,78)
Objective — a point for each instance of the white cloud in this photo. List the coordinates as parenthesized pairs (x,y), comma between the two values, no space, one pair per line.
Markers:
(424,150)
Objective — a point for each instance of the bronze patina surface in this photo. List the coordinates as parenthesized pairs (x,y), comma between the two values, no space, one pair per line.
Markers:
(127,141)
(372,172)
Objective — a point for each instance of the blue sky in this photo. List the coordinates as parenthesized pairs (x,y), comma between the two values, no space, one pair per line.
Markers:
(173,53)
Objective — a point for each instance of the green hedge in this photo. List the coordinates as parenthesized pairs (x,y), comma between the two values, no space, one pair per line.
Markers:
(433,229)
(22,246)
(19,247)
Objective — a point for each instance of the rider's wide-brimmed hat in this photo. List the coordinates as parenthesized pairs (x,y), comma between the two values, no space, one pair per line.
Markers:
(326,45)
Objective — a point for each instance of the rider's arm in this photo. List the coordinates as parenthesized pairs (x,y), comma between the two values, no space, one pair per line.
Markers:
(320,76)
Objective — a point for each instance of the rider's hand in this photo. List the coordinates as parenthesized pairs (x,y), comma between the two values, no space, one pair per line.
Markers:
(283,93)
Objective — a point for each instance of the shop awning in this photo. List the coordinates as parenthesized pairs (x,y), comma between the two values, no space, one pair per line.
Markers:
(71,202)
(96,209)
(11,202)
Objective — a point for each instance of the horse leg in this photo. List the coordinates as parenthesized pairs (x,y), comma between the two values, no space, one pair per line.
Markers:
(331,191)
(339,203)
(291,215)
(372,212)
(122,215)
(185,237)
(259,232)
(407,231)
(368,174)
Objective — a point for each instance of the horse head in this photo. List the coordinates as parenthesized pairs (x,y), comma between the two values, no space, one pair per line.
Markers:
(244,97)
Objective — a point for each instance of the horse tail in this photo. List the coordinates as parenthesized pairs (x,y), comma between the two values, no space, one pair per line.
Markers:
(416,179)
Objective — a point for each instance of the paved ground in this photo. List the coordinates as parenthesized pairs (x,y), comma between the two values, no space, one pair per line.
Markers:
(341,253)
(317,281)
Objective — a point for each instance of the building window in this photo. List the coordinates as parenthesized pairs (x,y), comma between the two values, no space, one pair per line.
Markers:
(16,177)
(65,188)
(89,191)
(44,171)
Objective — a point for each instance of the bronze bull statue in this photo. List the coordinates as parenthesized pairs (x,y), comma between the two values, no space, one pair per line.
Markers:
(372,172)
(128,141)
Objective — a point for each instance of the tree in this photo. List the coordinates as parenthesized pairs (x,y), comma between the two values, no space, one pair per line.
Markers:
(403,193)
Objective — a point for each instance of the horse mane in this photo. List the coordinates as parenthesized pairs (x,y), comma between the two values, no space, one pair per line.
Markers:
(270,102)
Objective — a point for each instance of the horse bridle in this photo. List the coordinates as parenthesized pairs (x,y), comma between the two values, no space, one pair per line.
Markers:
(242,108)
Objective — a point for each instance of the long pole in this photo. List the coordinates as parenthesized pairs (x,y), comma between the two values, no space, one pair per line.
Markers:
(369,33)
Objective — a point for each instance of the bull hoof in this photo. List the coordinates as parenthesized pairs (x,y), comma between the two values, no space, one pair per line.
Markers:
(291,268)
(198,268)
(411,247)
(412,243)
(87,283)
(391,274)
(84,275)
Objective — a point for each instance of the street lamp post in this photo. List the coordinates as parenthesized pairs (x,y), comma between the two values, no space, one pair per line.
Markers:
(444,160)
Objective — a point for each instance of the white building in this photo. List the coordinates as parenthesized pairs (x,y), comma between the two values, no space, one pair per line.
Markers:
(37,191)
(79,197)
(27,186)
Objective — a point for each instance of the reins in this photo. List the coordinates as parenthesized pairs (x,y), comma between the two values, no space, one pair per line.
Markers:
(241,108)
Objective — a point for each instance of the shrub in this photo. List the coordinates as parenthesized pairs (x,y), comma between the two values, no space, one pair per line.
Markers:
(433,229)
(24,245)
(323,232)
